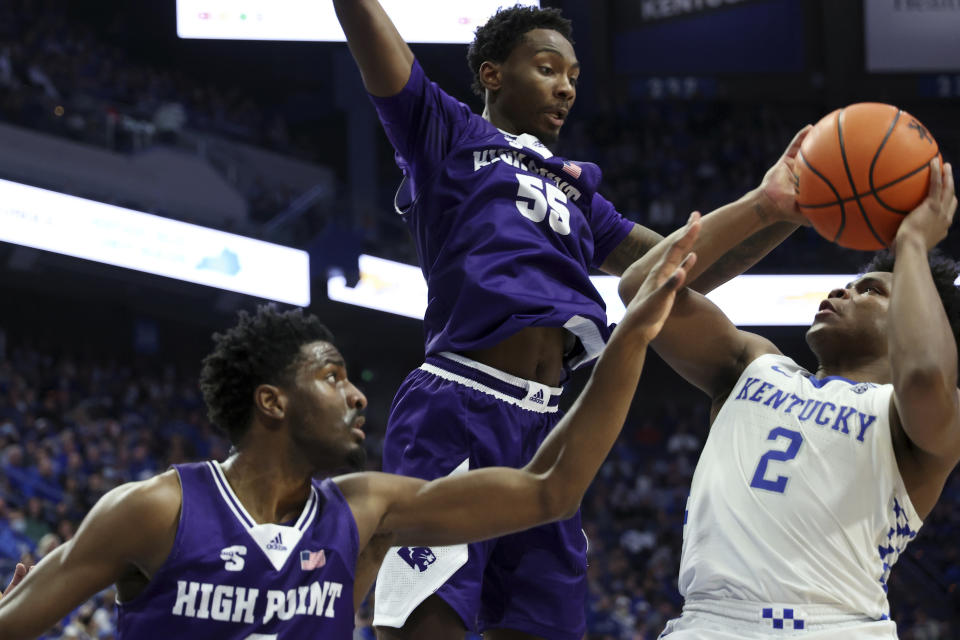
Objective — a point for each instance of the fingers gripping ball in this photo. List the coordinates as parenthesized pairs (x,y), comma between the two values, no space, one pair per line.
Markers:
(861,170)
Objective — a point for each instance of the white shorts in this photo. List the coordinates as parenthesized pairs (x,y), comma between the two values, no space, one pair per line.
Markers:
(739,620)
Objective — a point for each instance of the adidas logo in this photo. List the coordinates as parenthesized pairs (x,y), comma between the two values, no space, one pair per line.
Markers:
(537,398)
(276,544)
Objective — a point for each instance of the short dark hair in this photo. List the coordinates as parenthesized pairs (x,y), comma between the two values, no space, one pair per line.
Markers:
(260,349)
(501,34)
(944,270)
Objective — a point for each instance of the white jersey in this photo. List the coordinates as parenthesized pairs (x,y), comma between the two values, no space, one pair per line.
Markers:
(797,497)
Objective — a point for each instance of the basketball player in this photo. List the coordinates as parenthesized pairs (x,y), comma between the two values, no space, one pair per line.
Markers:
(507,233)
(810,485)
(255,548)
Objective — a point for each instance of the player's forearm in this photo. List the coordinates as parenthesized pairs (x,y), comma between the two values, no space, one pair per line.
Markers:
(923,352)
(45,596)
(732,239)
(381,53)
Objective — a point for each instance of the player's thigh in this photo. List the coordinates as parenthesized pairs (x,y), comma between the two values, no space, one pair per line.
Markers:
(433,618)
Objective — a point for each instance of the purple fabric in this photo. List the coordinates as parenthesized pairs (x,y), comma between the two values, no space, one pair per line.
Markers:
(533,581)
(207,531)
(491,270)
(487,380)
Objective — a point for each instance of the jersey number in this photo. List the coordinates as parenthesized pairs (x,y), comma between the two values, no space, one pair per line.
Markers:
(780,484)
(537,197)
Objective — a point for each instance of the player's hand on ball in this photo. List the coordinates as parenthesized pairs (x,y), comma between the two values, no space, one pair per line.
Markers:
(650,307)
(778,190)
(931,220)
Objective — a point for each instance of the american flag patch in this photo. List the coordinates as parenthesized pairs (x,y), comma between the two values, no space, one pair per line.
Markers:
(572,169)
(310,560)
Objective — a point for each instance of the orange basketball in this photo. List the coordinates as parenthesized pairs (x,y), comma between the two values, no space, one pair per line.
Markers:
(861,170)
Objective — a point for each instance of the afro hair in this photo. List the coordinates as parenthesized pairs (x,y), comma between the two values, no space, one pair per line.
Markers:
(944,270)
(501,34)
(260,349)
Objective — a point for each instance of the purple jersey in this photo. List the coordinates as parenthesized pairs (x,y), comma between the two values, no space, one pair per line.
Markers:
(506,231)
(229,578)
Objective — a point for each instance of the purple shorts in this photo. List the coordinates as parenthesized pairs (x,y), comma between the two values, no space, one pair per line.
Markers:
(452,411)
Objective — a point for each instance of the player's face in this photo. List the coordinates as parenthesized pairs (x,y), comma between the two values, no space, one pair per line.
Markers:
(853,317)
(325,411)
(538,85)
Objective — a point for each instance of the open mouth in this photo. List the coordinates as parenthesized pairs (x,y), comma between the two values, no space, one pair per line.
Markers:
(826,307)
(557,117)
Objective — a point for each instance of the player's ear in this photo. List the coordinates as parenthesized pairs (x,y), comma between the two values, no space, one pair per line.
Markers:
(270,402)
(491,76)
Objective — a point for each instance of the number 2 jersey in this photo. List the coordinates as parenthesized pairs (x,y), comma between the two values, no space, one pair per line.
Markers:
(506,232)
(797,497)
(232,579)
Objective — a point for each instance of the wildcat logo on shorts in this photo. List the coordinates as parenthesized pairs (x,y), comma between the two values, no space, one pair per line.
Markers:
(418,558)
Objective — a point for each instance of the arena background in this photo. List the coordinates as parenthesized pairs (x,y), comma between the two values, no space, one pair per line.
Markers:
(682,103)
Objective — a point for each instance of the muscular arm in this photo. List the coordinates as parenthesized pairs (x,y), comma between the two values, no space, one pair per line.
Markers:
(734,237)
(132,527)
(923,355)
(382,55)
(495,501)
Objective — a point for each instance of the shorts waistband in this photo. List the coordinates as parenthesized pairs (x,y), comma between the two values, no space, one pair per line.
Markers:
(526,394)
(777,615)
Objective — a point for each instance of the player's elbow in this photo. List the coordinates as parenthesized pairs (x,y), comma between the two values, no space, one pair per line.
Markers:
(559,501)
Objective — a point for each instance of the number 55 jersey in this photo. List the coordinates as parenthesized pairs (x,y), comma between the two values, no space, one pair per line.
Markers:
(506,232)
(797,497)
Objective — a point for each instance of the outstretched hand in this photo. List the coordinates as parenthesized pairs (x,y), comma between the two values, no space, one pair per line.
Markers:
(778,188)
(651,305)
(932,218)
(18,575)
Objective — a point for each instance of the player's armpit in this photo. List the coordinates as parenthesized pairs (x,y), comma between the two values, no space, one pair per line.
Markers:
(368,565)
(133,525)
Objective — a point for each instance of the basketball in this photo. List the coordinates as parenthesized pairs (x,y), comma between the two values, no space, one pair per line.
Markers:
(861,170)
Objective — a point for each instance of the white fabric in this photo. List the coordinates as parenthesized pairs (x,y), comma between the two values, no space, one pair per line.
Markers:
(702,625)
(401,588)
(536,395)
(843,515)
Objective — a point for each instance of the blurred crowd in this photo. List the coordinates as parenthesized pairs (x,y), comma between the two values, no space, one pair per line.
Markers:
(73,428)
(61,76)
(661,158)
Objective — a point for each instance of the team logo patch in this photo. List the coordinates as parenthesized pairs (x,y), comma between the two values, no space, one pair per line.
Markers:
(276,544)
(861,388)
(233,557)
(418,558)
(310,560)
(572,168)
(783,618)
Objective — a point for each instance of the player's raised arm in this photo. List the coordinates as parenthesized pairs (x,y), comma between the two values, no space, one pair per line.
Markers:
(698,340)
(923,352)
(484,503)
(132,527)
(382,55)
(733,238)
